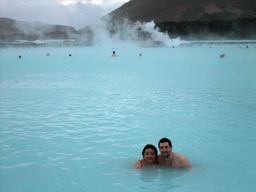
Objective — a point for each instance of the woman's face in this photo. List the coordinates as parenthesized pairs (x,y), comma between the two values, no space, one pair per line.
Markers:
(149,155)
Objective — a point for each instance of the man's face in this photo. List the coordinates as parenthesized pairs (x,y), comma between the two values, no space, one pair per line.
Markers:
(165,149)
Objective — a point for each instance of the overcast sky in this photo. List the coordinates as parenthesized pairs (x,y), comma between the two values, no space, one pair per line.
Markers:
(76,13)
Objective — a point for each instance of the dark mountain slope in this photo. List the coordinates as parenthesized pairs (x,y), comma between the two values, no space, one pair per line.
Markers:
(185,10)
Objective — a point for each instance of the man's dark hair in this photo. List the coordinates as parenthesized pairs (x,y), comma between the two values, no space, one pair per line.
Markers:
(149,146)
(163,140)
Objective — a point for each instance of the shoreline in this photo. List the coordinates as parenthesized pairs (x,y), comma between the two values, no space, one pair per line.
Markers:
(71,43)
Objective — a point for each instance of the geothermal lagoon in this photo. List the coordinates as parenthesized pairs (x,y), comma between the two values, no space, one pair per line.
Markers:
(80,122)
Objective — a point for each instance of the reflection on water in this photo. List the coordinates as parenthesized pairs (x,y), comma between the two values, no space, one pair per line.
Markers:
(161,173)
(168,176)
(149,174)
(161,176)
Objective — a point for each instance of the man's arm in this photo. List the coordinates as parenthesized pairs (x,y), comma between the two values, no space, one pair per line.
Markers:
(185,162)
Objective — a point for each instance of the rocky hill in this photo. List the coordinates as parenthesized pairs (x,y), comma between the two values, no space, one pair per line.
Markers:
(185,10)
(194,19)
(235,29)
(11,30)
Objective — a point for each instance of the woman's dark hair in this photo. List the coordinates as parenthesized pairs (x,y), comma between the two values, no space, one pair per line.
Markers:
(149,146)
(163,140)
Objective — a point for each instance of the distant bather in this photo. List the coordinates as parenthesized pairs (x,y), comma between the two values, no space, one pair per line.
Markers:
(114,54)
(222,56)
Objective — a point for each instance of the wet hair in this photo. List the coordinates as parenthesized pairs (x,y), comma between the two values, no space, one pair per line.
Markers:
(114,52)
(163,140)
(149,146)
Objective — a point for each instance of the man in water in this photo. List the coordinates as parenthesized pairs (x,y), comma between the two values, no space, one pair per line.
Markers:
(114,54)
(169,158)
(222,56)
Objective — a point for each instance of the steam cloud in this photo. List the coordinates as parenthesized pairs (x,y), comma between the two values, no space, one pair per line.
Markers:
(77,15)
(87,18)
(106,32)
(142,33)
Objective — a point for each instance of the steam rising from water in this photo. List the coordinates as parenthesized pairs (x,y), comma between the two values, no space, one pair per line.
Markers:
(78,14)
(143,34)
(106,32)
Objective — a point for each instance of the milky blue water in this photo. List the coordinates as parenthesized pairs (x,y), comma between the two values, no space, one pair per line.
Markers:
(79,123)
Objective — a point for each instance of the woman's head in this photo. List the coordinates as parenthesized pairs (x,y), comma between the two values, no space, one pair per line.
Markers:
(149,150)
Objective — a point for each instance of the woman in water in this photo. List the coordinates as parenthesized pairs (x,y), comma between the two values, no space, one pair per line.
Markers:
(149,154)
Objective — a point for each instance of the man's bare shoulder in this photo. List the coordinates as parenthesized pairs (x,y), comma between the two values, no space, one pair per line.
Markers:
(182,160)
(179,156)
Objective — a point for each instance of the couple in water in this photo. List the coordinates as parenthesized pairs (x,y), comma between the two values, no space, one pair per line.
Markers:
(167,157)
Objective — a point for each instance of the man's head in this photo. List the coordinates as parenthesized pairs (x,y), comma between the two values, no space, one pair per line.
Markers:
(163,140)
(165,147)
